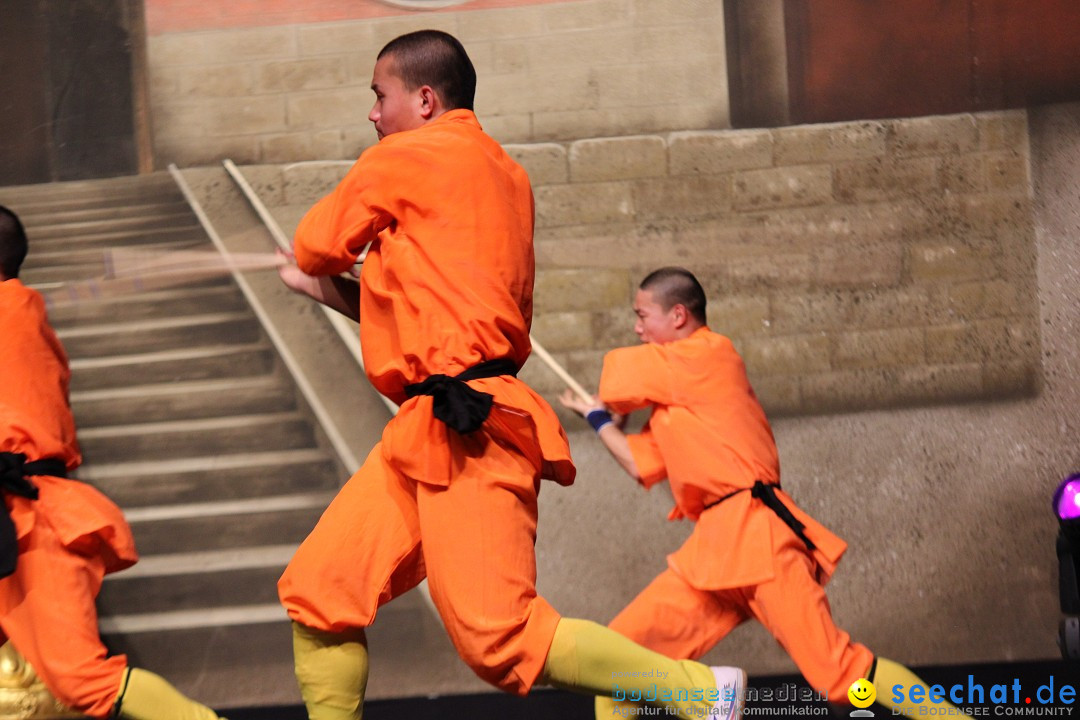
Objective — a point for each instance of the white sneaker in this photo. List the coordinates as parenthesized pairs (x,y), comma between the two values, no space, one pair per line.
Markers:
(731,684)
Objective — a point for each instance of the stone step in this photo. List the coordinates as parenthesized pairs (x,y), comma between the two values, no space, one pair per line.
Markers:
(146,623)
(216,295)
(182,218)
(402,620)
(197,527)
(223,477)
(124,238)
(224,662)
(109,191)
(55,275)
(34,215)
(241,656)
(196,438)
(127,338)
(168,583)
(182,401)
(67,263)
(177,365)
(32,209)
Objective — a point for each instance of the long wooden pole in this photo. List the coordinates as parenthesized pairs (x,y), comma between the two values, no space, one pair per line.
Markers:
(560,371)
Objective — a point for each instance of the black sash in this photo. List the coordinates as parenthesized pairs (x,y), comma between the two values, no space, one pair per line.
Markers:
(14,471)
(455,403)
(766,493)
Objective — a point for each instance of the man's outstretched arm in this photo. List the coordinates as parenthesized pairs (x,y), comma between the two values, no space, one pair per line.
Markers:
(336,292)
(609,429)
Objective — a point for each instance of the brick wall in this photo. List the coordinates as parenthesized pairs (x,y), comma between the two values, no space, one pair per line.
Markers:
(548,71)
(857,265)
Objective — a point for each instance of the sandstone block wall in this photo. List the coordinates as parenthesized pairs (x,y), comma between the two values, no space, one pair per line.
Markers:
(548,71)
(856,265)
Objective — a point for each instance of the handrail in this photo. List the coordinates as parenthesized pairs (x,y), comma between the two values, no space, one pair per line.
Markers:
(339,322)
(333,434)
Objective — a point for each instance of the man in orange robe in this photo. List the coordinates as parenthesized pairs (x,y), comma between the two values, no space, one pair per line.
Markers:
(58,537)
(445,304)
(753,553)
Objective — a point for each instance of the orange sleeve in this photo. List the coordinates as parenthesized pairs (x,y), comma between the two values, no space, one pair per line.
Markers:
(335,230)
(635,378)
(650,463)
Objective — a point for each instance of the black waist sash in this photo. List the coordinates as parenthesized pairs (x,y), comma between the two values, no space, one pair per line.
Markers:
(766,493)
(14,471)
(455,403)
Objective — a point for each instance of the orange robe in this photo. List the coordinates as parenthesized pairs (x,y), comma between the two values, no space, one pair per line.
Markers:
(446,285)
(71,536)
(709,436)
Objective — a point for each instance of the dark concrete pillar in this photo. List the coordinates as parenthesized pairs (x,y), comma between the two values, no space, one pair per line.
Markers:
(72,103)
(757,62)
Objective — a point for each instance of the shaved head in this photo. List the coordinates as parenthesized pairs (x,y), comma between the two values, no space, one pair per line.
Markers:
(671,286)
(437,59)
(13,244)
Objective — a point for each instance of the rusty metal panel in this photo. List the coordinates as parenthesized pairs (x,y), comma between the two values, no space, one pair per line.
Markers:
(851,59)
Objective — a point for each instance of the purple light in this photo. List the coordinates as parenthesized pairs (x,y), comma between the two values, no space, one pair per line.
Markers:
(1067,498)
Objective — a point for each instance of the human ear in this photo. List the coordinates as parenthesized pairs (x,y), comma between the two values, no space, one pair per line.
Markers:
(679,316)
(428,101)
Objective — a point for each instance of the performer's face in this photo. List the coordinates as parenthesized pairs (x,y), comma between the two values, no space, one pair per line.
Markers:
(654,323)
(396,107)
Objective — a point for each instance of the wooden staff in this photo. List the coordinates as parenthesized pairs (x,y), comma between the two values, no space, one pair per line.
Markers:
(135,270)
(560,371)
(130,271)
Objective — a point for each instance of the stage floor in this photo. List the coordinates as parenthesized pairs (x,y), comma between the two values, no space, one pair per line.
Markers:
(1027,689)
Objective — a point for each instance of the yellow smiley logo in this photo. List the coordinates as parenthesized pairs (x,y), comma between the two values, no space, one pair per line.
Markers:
(862,693)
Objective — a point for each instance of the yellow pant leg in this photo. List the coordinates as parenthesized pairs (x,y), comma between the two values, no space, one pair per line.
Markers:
(146,696)
(332,670)
(888,674)
(589,658)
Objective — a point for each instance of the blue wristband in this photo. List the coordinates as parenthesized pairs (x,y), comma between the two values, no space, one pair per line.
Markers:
(598,419)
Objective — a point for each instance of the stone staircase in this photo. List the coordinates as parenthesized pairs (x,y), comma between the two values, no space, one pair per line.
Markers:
(189,422)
